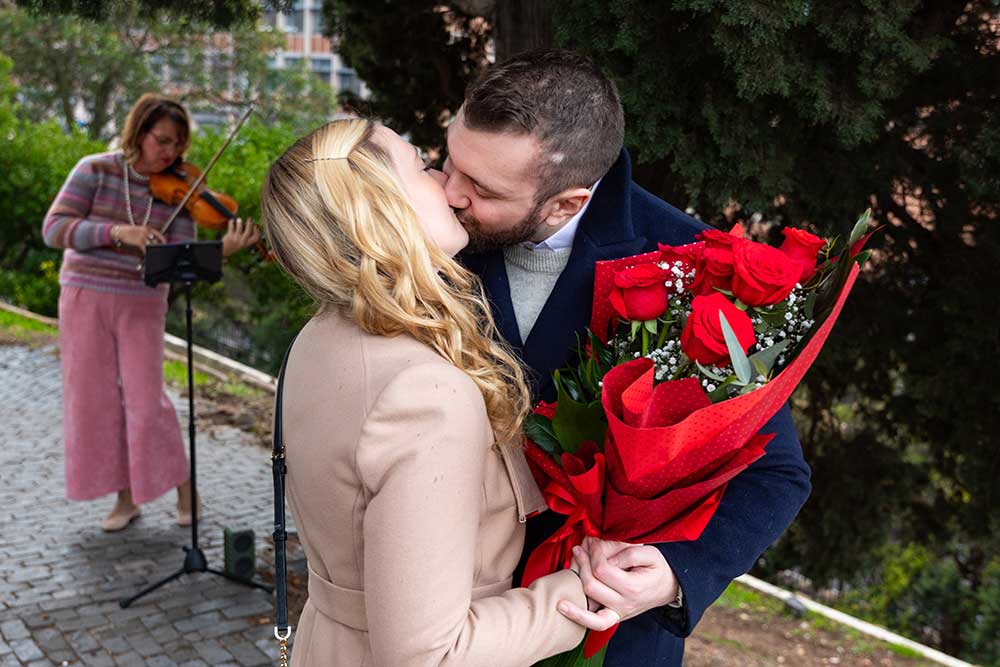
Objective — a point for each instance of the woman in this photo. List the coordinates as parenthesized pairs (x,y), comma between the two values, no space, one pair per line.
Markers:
(401,420)
(121,431)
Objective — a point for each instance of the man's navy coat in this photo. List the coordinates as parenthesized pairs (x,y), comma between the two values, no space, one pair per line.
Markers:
(622,220)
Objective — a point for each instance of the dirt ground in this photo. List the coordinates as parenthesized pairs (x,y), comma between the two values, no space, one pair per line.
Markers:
(760,635)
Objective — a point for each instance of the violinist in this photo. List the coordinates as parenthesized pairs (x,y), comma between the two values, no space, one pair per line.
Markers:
(121,431)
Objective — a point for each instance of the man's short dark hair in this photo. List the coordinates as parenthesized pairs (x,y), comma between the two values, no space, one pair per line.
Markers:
(564,101)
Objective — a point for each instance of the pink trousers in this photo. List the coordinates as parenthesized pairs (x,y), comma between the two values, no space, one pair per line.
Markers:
(121,430)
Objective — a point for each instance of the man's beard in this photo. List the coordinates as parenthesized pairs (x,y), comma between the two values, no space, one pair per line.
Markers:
(481,241)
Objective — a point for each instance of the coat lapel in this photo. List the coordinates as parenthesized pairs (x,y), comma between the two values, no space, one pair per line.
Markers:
(605,232)
(491,270)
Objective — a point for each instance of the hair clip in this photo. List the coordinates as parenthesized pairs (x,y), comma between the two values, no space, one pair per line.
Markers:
(318,159)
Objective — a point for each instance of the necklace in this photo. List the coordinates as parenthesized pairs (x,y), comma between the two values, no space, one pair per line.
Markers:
(126,185)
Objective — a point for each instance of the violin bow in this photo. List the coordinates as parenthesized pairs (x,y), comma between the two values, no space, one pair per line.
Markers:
(211,163)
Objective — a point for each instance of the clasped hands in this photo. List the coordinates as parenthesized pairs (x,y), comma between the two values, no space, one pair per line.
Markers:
(620,581)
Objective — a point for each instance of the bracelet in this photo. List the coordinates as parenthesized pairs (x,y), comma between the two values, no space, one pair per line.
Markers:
(116,236)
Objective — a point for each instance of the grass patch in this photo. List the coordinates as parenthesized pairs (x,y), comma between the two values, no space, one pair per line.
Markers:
(904,651)
(738,596)
(175,372)
(240,390)
(725,641)
(15,324)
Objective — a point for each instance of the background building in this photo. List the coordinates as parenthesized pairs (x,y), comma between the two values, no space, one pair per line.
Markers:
(305,42)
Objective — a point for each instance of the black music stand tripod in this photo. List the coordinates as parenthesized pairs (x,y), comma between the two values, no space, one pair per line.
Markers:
(187,263)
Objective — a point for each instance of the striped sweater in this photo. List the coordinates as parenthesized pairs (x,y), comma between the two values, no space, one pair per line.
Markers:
(90,202)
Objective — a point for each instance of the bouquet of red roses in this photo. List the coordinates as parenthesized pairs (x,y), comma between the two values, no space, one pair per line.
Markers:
(691,350)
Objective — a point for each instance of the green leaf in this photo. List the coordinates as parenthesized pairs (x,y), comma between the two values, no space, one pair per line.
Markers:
(810,304)
(768,356)
(574,658)
(710,374)
(572,387)
(635,329)
(720,393)
(723,291)
(863,257)
(538,429)
(860,227)
(650,326)
(736,354)
(576,422)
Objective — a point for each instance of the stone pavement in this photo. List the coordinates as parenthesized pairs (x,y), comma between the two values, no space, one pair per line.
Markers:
(61,577)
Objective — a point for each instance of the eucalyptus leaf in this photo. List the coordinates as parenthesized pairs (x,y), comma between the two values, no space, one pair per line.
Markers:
(718,395)
(860,227)
(810,304)
(768,356)
(710,374)
(736,354)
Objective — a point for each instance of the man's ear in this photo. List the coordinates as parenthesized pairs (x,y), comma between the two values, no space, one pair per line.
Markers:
(565,205)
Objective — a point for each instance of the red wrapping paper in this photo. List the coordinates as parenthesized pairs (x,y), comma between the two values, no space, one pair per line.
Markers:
(668,454)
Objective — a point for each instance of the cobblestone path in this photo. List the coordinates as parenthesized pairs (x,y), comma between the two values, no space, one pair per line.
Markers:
(61,577)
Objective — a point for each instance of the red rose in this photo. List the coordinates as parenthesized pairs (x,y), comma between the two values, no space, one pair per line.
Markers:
(640,292)
(802,247)
(714,270)
(762,275)
(716,238)
(702,339)
(689,255)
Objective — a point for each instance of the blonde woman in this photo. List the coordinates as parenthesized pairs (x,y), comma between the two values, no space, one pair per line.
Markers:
(401,421)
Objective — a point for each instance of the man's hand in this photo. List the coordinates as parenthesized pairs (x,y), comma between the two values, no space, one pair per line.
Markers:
(621,581)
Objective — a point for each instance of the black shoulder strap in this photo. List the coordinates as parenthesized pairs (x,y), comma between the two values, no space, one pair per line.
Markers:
(279,469)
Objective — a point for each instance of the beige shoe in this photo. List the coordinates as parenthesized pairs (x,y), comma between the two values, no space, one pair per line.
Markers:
(118,520)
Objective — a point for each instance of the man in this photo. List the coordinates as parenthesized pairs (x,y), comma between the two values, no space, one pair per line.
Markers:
(539,178)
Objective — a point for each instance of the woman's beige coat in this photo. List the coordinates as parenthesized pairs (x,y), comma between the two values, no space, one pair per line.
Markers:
(411,522)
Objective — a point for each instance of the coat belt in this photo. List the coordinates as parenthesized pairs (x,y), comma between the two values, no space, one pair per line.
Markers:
(347,606)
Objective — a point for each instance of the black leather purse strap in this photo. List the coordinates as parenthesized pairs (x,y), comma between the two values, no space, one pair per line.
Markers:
(282,631)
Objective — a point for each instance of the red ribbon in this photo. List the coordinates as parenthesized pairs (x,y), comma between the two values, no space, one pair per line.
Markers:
(574,490)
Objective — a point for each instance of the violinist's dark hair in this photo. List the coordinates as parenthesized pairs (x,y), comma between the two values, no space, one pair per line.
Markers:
(146,113)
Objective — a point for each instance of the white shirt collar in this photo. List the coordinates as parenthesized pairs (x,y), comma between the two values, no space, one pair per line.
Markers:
(564,237)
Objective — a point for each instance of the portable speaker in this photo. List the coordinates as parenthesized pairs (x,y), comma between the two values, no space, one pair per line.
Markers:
(239,553)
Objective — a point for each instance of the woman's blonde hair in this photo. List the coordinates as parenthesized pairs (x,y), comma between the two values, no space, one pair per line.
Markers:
(146,113)
(339,221)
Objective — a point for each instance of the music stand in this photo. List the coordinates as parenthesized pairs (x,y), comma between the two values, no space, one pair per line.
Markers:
(187,263)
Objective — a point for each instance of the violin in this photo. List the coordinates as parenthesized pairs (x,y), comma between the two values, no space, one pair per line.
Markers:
(182,185)
(209,209)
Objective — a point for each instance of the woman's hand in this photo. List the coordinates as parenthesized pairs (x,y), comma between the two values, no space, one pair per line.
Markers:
(240,234)
(620,580)
(136,236)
